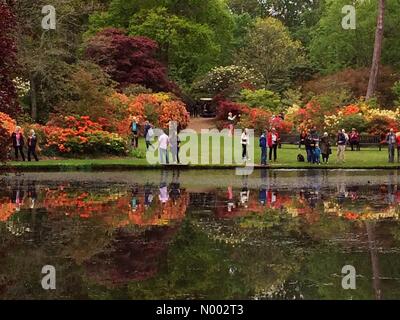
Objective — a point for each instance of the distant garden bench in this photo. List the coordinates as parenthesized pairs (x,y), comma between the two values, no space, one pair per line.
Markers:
(365,140)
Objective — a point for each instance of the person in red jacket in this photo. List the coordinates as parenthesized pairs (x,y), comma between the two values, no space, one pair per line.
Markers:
(273,142)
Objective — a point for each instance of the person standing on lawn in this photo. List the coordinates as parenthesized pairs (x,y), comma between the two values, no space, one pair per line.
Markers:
(231,120)
(314,143)
(392,142)
(273,142)
(341,144)
(307,144)
(163,142)
(245,140)
(354,140)
(148,134)
(32,142)
(135,133)
(398,146)
(175,146)
(18,143)
(325,147)
(303,136)
(263,146)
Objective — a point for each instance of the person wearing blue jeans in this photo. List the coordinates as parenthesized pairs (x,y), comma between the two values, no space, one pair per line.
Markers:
(163,141)
(263,146)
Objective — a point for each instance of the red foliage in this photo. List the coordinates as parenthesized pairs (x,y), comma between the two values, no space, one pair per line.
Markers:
(356,81)
(128,59)
(8,95)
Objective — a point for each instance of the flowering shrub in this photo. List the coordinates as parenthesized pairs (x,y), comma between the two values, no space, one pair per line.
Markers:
(257,119)
(223,78)
(364,118)
(7,123)
(82,136)
(261,98)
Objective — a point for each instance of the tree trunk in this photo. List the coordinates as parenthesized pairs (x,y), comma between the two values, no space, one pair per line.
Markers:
(376,60)
(33,95)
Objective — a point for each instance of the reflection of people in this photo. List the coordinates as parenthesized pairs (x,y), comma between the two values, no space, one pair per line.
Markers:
(134,199)
(231,203)
(32,193)
(18,143)
(262,195)
(148,196)
(245,193)
(164,197)
(17,196)
(175,186)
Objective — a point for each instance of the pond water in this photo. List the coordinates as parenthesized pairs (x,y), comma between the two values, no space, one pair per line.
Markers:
(200,235)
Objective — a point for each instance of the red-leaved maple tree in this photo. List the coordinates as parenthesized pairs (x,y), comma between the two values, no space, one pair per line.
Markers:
(8,95)
(128,59)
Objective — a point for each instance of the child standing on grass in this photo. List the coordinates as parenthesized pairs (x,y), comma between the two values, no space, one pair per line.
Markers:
(317,153)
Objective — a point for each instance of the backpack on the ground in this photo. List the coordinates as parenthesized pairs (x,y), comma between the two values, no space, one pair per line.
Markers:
(300,158)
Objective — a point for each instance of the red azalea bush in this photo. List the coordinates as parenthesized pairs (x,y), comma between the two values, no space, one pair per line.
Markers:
(257,119)
(226,106)
(282,126)
(380,125)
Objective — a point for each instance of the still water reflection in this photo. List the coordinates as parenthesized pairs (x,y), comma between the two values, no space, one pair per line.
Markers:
(167,235)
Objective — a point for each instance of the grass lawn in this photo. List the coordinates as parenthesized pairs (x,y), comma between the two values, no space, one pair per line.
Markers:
(287,158)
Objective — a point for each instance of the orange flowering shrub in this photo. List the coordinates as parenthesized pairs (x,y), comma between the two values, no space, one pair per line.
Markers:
(351,109)
(173,111)
(80,135)
(7,123)
(158,108)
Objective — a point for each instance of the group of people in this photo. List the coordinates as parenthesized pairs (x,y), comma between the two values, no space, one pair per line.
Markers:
(317,147)
(18,143)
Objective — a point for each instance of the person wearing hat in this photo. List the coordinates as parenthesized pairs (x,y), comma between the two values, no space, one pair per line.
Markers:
(354,140)
(325,147)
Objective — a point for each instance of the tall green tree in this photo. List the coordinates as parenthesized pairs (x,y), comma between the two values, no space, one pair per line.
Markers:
(185,30)
(271,51)
(333,48)
(188,48)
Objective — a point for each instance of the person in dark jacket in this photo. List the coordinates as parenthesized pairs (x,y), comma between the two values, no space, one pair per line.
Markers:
(18,143)
(263,146)
(148,134)
(354,138)
(307,144)
(135,133)
(32,142)
(325,147)
(341,144)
